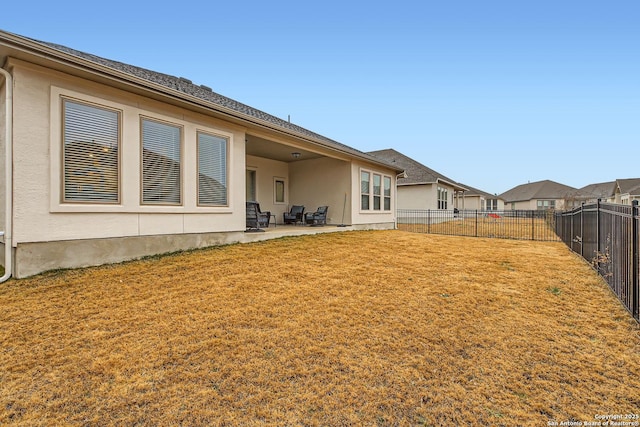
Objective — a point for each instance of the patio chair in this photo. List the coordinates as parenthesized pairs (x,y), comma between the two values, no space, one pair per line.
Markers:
(319,217)
(295,215)
(256,219)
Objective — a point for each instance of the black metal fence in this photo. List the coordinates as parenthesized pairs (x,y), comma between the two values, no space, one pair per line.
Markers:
(606,235)
(508,224)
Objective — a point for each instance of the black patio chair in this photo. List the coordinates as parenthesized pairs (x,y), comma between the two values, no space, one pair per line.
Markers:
(319,217)
(295,215)
(256,219)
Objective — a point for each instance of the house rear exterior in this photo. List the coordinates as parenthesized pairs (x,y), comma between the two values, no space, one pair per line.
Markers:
(541,195)
(113,162)
(423,188)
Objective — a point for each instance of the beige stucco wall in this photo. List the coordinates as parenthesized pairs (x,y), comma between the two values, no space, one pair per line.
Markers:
(360,216)
(423,196)
(39,215)
(266,172)
(531,205)
(321,182)
(414,197)
(3,121)
(50,234)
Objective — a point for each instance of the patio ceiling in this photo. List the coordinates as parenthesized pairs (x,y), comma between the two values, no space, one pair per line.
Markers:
(260,147)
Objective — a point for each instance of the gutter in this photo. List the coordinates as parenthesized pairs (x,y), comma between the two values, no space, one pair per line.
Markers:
(8,178)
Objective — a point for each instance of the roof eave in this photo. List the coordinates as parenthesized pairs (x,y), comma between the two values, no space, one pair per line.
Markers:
(47,53)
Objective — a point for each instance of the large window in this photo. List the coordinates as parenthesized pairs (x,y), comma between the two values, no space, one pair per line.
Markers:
(91,146)
(443,198)
(492,204)
(161,163)
(375,191)
(365,191)
(387,193)
(546,204)
(212,170)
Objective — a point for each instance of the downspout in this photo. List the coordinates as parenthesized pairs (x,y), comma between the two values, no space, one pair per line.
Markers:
(8,175)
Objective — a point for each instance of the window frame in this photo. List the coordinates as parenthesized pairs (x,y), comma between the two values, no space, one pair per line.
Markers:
(368,193)
(181,163)
(442,197)
(371,194)
(63,167)
(276,180)
(226,161)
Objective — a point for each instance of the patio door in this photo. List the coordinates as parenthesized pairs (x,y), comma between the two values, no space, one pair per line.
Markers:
(251,185)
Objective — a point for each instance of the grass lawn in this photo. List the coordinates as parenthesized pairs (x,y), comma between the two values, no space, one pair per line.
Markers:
(361,328)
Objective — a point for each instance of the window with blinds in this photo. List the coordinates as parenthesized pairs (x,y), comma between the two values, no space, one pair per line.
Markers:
(365,179)
(387,193)
(377,191)
(161,163)
(212,170)
(91,145)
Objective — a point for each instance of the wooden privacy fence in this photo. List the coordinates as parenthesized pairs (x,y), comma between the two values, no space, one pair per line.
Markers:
(514,224)
(606,235)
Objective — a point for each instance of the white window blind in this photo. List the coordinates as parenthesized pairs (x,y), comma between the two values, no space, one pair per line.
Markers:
(161,163)
(90,150)
(365,179)
(212,170)
(377,191)
(387,193)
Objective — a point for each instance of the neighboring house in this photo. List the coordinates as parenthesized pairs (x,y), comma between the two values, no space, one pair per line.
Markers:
(114,162)
(626,191)
(474,199)
(540,195)
(423,188)
(604,191)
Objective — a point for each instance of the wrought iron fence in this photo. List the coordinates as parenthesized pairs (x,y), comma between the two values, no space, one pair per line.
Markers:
(508,224)
(606,235)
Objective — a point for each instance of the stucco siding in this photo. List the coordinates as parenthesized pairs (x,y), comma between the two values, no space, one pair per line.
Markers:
(266,172)
(39,214)
(414,197)
(372,216)
(320,182)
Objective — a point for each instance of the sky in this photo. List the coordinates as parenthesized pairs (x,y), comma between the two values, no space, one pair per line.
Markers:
(491,94)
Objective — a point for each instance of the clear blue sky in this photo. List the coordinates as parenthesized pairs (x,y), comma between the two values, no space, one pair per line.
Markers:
(492,94)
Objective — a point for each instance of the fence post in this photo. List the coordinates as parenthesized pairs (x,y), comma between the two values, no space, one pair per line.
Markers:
(476,222)
(582,230)
(571,236)
(533,226)
(428,220)
(597,228)
(635,289)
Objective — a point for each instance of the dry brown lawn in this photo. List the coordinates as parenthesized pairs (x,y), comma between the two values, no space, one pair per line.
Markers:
(503,227)
(355,328)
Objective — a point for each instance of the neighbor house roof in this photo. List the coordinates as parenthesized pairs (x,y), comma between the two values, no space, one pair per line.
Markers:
(417,173)
(600,190)
(147,80)
(471,191)
(629,186)
(538,190)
